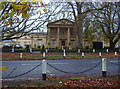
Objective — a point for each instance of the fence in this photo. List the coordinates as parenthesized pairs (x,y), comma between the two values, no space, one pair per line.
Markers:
(82,53)
(44,69)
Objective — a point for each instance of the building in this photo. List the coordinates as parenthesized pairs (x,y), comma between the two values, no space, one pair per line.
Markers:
(61,33)
(12,42)
(38,39)
(34,40)
(23,41)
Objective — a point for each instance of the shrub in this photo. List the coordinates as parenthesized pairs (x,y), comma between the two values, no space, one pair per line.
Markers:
(39,47)
(15,50)
(107,47)
(35,49)
(87,47)
(27,48)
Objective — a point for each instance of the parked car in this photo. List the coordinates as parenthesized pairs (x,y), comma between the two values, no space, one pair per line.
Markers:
(7,45)
(18,46)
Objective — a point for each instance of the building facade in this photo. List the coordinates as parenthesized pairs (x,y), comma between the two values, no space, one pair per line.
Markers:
(23,41)
(61,33)
(38,40)
(34,40)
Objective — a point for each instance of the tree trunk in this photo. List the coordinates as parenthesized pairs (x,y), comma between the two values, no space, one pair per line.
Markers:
(80,38)
(112,45)
(79,33)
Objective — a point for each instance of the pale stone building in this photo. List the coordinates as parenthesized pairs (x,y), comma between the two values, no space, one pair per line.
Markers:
(34,40)
(38,39)
(12,42)
(62,33)
(23,41)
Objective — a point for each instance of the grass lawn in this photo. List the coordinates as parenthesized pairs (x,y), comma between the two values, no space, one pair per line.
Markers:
(54,56)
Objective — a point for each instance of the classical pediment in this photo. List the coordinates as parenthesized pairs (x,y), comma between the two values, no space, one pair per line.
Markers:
(62,22)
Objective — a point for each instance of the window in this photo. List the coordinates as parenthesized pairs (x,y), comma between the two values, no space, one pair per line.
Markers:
(39,42)
(72,43)
(53,43)
(25,43)
(63,32)
(22,44)
(54,31)
(71,32)
(86,43)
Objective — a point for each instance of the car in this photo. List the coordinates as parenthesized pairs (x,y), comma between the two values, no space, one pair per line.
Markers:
(7,45)
(18,46)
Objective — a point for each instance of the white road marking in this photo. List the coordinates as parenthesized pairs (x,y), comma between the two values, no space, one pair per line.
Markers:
(59,63)
(49,63)
(29,64)
(48,71)
(94,61)
(113,61)
(51,74)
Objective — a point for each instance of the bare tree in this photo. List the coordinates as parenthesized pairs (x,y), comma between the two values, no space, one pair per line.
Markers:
(80,11)
(109,20)
(20,18)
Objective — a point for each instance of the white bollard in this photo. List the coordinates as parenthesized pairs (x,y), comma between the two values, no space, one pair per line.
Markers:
(107,50)
(103,67)
(78,50)
(64,55)
(100,54)
(44,69)
(115,54)
(64,50)
(93,50)
(62,47)
(31,50)
(43,55)
(83,55)
(46,50)
(20,56)
(12,49)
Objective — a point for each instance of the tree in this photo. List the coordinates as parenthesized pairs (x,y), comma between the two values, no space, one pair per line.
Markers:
(15,18)
(79,17)
(80,11)
(109,20)
(91,30)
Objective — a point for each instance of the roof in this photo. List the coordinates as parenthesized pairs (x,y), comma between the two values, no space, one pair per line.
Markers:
(40,33)
(8,41)
(61,22)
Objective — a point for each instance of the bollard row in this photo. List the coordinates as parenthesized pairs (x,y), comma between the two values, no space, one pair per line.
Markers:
(44,69)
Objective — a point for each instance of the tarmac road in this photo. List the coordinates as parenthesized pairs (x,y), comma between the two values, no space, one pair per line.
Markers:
(89,66)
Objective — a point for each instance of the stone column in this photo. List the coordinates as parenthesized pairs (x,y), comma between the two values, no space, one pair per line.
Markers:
(58,37)
(32,42)
(48,37)
(68,37)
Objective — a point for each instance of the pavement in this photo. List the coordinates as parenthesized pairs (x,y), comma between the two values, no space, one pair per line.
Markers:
(31,69)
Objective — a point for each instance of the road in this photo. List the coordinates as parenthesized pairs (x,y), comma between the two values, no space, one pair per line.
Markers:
(64,65)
